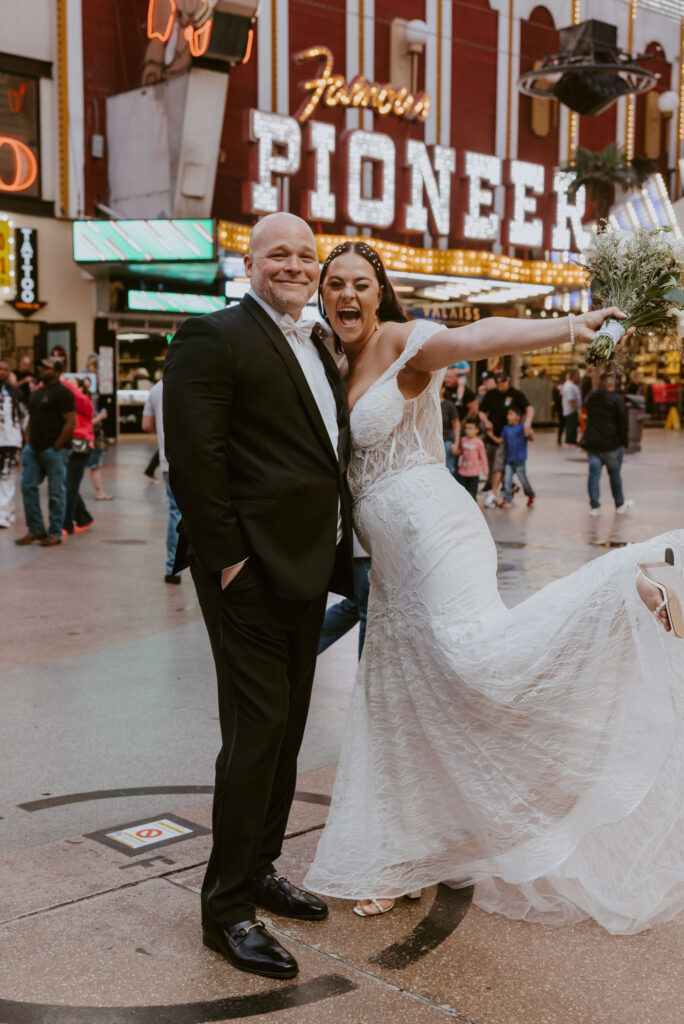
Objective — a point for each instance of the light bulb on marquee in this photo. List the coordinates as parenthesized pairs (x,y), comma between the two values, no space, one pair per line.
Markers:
(568,214)
(370,146)
(435,183)
(481,168)
(8,277)
(525,178)
(319,202)
(268,131)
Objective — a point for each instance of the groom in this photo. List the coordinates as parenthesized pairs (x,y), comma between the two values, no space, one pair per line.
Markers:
(257,438)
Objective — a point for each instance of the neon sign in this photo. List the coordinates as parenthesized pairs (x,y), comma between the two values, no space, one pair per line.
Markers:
(194,21)
(25,165)
(143,241)
(161,17)
(333,91)
(174,302)
(15,98)
(27,301)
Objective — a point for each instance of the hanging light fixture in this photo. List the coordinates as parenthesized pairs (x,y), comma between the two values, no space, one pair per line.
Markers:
(590,72)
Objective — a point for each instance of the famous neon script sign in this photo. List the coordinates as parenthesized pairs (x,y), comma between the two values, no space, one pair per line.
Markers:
(334,91)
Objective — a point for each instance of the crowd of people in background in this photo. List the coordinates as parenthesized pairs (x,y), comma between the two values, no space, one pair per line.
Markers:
(52,426)
(486,435)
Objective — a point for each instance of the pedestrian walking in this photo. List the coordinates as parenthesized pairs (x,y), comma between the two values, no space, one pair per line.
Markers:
(605,439)
(472,462)
(152,422)
(515,444)
(12,421)
(493,409)
(451,428)
(571,399)
(52,418)
(344,615)
(77,518)
(25,378)
(458,392)
(636,415)
(558,412)
(97,454)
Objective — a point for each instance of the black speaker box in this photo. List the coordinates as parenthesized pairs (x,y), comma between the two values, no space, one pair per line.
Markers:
(588,37)
(590,92)
(228,40)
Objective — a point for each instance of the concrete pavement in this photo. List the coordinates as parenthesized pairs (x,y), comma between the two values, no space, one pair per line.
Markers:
(109,725)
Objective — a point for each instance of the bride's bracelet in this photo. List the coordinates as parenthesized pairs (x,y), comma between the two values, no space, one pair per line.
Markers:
(571,327)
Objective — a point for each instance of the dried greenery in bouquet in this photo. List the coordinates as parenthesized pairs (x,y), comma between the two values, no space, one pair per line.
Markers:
(639,272)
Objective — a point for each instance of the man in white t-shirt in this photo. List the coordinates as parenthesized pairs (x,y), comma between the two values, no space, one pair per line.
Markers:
(572,403)
(152,423)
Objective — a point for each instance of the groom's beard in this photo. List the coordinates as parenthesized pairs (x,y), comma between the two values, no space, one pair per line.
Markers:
(280,299)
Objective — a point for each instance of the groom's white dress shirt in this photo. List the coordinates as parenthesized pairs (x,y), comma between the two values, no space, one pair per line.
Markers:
(298,336)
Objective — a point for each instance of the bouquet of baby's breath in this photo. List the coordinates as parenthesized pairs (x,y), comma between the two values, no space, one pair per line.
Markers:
(639,272)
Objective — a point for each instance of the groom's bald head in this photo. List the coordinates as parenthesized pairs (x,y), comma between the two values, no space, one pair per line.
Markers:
(282,262)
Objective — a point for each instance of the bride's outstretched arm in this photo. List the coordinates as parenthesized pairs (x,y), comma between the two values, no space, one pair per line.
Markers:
(499,336)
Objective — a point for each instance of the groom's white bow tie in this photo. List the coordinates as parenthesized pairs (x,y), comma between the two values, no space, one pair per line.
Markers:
(300,331)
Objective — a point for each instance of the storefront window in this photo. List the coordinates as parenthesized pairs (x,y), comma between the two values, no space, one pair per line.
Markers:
(141,361)
(19,135)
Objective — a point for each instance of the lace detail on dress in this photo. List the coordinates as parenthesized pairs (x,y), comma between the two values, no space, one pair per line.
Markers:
(391,433)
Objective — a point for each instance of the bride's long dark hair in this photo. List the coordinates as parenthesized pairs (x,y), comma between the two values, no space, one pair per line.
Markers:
(390,307)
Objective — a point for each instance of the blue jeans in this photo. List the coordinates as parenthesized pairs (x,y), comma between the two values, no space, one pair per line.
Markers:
(171,532)
(35,466)
(450,458)
(95,460)
(344,615)
(76,513)
(516,469)
(613,463)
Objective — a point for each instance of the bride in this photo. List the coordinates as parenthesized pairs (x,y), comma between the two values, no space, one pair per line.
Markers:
(538,751)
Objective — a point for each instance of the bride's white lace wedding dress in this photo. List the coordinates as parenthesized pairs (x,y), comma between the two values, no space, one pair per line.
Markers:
(537,751)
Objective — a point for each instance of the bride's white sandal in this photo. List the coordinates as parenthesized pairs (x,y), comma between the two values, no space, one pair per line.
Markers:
(379,909)
(668,579)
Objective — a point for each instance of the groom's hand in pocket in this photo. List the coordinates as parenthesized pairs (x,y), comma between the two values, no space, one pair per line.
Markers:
(229,574)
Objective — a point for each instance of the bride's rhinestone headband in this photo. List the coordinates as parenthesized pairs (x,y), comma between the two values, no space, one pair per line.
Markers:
(363,249)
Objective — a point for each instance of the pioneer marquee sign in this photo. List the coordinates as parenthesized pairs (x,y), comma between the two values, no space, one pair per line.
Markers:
(367,179)
(414,185)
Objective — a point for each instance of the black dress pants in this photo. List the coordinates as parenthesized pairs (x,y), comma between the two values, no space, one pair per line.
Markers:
(76,513)
(264,650)
(571,427)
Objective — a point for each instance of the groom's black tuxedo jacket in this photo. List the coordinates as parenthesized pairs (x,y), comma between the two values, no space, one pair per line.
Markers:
(251,464)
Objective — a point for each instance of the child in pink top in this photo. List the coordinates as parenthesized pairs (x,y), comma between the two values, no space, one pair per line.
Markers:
(472,462)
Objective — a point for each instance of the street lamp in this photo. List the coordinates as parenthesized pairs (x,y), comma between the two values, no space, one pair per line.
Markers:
(668,102)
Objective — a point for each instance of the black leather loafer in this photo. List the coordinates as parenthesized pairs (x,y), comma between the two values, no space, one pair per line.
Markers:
(249,947)
(275,893)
